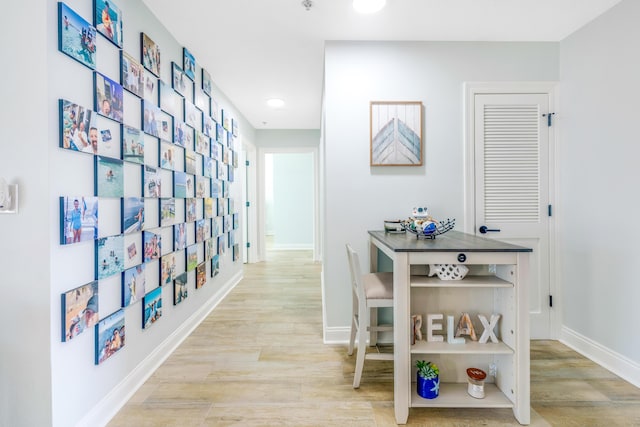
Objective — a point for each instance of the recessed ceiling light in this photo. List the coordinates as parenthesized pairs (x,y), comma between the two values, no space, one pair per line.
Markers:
(275,102)
(368,6)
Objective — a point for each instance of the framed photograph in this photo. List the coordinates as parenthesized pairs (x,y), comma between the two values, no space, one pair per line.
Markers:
(76,37)
(150,85)
(215,111)
(208,207)
(192,257)
(209,248)
(168,154)
(396,133)
(192,115)
(209,126)
(235,221)
(167,268)
(133,285)
(151,118)
(201,186)
(216,229)
(182,134)
(216,188)
(170,100)
(179,236)
(109,256)
(152,182)
(190,162)
(108,20)
(133,251)
(109,181)
(189,63)
(78,131)
(152,307)
(222,244)
(202,230)
(132,74)
(207,83)
(109,334)
(190,209)
(79,310)
(203,144)
(234,127)
(209,167)
(215,265)
(108,137)
(132,214)
(216,151)
(236,252)
(152,245)
(182,185)
(222,206)
(180,288)
(167,211)
(181,82)
(78,219)
(132,145)
(150,54)
(201,275)
(219,134)
(108,97)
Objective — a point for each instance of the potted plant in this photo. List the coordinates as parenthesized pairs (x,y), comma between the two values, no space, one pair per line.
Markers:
(428,379)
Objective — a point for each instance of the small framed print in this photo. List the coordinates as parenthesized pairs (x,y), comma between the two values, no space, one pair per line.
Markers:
(108,20)
(396,133)
(189,64)
(150,54)
(76,37)
(206,82)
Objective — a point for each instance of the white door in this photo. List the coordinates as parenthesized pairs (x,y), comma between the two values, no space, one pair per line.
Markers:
(511,136)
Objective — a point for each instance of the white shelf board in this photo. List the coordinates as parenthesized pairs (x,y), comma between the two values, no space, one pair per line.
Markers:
(469,347)
(467,282)
(454,395)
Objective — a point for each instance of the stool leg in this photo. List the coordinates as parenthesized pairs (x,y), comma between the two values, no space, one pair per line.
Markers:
(352,338)
(362,350)
(373,321)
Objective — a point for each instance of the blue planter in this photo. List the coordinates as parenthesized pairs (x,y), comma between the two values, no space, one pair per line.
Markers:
(429,389)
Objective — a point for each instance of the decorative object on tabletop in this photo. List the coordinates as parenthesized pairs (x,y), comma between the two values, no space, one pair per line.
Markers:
(424,225)
(393,226)
(448,271)
(428,379)
(476,379)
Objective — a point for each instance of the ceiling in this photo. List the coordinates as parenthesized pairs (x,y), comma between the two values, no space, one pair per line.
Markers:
(261,49)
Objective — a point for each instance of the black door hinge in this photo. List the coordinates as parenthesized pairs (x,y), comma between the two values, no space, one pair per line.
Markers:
(550,211)
(550,300)
(548,116)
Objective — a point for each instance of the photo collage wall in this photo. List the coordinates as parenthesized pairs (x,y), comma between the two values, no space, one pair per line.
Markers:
(176,225)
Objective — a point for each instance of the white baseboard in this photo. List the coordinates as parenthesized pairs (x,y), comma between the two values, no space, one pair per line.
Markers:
(620,365)
(109,406)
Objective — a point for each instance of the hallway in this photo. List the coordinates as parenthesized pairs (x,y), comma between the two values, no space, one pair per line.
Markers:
(258,360)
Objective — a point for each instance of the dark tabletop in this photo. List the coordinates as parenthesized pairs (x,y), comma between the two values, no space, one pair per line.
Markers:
(451,241)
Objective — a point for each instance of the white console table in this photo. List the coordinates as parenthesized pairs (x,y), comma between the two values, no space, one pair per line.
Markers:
(496,283)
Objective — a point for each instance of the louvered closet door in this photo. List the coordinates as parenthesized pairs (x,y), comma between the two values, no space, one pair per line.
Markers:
(511,175)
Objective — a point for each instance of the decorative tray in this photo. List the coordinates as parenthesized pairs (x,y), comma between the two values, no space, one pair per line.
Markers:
(440,227)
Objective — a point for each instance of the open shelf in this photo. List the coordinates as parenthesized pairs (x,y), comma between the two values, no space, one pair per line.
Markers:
(467,282)
(454,395)
(470,347)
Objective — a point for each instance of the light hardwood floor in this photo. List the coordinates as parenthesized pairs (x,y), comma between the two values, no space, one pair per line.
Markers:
(258,360)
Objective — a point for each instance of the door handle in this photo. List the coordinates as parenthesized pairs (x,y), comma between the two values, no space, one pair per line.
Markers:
(483,229)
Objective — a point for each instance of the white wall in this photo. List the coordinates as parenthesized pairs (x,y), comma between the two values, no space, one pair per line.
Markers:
(25,348)
(599,172)
(358,197)
(293,200)
(43,380)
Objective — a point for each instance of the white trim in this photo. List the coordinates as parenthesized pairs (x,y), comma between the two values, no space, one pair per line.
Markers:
(470,90)
(293,247)
(262,152)
(620,365)
(341,335)
(109,406)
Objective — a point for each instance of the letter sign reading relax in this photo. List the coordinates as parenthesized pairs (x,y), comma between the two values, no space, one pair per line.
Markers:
(464,323)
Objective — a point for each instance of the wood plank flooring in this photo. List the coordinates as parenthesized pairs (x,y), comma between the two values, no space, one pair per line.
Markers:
(258,360)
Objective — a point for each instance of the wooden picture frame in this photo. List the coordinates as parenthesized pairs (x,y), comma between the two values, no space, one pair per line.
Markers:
(396,133)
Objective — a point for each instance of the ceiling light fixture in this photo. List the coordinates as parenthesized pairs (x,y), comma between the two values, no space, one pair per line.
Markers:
(307,4)
(368,6)
(275,103)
